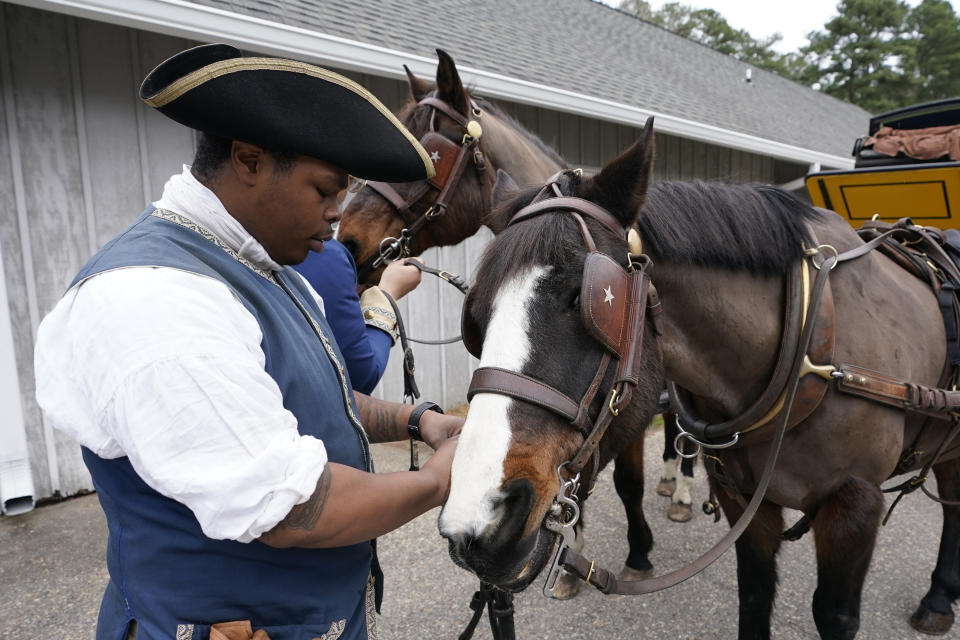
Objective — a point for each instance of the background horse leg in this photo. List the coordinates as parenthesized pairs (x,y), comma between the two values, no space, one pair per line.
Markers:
(935,613)
(681,498)
(671,461)
(845,530)
(756,563)
(628,479)
(676,478)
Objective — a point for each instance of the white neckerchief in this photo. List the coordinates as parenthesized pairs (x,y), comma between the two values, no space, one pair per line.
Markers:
(184,194)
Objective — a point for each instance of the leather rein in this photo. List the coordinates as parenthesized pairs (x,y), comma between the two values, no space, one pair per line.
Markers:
(450,160)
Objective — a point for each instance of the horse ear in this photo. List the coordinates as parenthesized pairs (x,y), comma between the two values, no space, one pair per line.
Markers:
(449,86)
(503,189)
(418,88)
(621,185)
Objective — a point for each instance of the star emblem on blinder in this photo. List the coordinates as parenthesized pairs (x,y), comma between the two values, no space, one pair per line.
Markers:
(609,297)
(435,157)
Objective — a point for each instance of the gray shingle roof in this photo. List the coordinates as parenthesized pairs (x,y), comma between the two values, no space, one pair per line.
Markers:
(589,48)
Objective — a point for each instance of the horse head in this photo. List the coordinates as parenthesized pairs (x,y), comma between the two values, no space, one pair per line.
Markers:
(542,306)
(468,140)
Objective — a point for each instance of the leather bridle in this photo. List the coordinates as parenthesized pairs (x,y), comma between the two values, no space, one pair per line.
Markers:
(616,302)
(614,305)
(450,160)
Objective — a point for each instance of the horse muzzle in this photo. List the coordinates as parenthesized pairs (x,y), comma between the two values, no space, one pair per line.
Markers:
(504,554)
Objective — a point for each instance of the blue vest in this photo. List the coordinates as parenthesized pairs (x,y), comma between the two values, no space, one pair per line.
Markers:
(164,573)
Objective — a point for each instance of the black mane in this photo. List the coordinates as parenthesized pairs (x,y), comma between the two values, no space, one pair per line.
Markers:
(753,228)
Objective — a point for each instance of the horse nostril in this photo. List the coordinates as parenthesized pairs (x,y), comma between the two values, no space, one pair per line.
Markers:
(352,246)
(514,508)
(459,543)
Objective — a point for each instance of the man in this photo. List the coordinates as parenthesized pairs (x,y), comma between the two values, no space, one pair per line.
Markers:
(196,371)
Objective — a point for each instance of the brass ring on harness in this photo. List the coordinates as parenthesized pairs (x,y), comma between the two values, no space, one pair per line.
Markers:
(818,251)
(590,573)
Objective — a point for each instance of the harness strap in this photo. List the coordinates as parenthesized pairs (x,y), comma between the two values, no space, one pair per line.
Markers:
(517,385)
(594,211)
(628,367)
(449,111)
(590,394)
(402,206)
(789,348)
(499,606)
(939,403)
(443,274)
(410,390)
(607,583)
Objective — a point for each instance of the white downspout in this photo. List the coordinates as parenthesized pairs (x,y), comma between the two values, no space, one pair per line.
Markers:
(16,482)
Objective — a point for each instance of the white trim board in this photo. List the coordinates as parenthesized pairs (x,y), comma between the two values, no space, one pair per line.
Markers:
(189,20)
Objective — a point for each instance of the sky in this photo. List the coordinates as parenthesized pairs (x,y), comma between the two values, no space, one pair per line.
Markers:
(793,19)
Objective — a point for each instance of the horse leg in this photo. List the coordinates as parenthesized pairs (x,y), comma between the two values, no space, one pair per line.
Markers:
(935,613)
(681,502)
(671,461)
(628,479)
(756,563)
(845,530)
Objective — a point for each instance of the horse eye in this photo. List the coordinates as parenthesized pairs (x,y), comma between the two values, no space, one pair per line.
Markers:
(575,302)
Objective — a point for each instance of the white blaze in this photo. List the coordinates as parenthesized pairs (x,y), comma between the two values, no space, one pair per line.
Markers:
(478,465)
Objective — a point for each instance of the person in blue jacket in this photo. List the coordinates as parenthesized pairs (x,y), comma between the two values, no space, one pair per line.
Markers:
(365,325)
(199,374)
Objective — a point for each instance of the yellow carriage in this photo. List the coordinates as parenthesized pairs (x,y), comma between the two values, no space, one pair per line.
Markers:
(907,166)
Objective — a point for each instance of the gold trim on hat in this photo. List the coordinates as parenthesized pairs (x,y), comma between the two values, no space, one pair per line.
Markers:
(216,69)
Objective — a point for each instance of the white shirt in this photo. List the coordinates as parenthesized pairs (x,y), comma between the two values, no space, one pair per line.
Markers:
(165,366)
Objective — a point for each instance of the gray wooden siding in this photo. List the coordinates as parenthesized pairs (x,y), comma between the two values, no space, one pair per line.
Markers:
(80,157)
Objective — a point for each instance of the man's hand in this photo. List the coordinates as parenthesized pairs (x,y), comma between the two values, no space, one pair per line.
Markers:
(399,278)
(436,428)
(439,464)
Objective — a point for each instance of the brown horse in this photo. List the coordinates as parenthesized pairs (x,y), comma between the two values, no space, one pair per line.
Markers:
(720,256)
(506,146)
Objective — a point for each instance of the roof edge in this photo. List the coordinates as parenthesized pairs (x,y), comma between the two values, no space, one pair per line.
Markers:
(188,20)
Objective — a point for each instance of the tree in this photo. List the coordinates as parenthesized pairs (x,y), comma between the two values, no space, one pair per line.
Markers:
(877,54)
(860,56)
(933,33)
(709,28)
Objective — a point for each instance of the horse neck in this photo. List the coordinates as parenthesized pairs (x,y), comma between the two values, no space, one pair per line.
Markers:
(721,332)
(511,149)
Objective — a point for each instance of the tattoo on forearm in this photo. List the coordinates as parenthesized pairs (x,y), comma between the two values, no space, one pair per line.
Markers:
(380,419)
(305,516)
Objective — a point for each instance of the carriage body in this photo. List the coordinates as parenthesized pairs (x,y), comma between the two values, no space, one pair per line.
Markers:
(889,187)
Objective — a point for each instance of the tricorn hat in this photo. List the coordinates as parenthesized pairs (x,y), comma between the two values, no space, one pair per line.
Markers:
(285,105)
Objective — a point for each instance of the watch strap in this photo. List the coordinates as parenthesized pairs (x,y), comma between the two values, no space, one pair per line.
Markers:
(413,422)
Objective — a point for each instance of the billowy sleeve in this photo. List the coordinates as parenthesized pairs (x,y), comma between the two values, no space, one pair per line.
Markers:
(165,367)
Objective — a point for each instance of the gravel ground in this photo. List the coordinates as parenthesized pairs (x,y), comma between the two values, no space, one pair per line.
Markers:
(52,574)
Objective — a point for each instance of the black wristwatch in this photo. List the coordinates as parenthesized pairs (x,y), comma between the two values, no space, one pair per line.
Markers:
(413,424)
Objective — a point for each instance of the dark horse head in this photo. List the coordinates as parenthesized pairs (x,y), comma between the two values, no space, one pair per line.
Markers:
(504,144)
(526,305)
